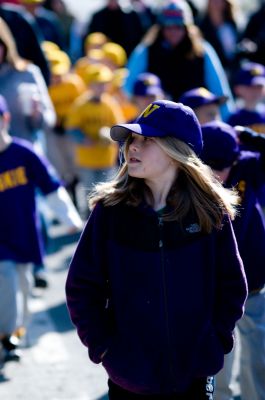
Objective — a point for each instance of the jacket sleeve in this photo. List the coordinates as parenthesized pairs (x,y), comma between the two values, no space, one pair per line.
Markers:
(231,286)
(86,287)
(137,63)
(216,80)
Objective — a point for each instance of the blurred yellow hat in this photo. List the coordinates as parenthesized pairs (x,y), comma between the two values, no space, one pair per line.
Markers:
(59,62)
(48,46)
(97,73)
(95,39)
(119,76)
(115,53)
(31,1)
(95,55)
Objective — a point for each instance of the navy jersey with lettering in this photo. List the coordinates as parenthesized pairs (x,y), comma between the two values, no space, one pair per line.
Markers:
(22,172)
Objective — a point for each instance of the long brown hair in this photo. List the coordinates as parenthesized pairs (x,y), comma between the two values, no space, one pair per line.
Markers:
(195,189)
(193,39)
(11,53)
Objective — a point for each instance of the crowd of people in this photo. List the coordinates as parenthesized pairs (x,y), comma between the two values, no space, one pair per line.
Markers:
(148,121)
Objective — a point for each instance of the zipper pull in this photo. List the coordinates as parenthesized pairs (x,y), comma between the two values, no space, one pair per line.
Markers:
(160,222)
(160,225)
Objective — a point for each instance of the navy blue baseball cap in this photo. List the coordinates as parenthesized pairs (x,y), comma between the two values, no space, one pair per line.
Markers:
(3,105)
(164,118)
(220,145)
(147,84)
(200,96)
(250,74)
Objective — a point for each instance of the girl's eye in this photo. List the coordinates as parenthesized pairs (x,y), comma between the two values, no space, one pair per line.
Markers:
(130,139)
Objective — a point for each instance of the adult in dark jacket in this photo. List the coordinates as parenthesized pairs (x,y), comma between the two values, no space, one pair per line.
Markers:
(175,51)
(246,171)
(27,36)
(156,284)
(122,26)
(219,27)
(253,37)
(47,21)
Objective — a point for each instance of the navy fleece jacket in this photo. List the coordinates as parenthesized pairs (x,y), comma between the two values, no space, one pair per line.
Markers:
(161,298)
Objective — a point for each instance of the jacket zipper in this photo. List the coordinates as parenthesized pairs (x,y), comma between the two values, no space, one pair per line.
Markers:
(161,247)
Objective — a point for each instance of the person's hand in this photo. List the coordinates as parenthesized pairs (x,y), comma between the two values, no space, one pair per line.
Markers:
(74,229)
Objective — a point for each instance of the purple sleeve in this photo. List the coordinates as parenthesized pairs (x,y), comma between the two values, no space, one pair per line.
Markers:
(42,173)
(86,287)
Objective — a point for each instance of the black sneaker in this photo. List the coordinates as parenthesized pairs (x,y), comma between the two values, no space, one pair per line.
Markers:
(12,355)
(40,281)
(9,348)
(10,342)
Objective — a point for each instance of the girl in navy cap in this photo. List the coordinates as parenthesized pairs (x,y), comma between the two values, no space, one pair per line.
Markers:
(156,283)
(246,171)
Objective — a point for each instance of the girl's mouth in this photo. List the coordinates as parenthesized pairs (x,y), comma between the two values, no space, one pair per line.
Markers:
(133,160)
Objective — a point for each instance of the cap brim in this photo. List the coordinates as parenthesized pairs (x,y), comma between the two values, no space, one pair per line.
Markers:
(222,99)
(216,100)
(122,131)
(258,80)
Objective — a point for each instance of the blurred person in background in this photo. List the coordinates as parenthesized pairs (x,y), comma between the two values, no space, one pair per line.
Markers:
(205,104)
(245,171)
(27,35)
(121,25)
(147,88)
(220,27)
(65,87)
(47,21)
(26,93)
(23,171)
(253,36)
(33,114)
(67,22)
(249,89)
(88,122)
(175,51)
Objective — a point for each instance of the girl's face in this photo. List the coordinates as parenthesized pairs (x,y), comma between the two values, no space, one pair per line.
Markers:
(208,113)
(219,5)
(250,94)
(174,34)
(147,160)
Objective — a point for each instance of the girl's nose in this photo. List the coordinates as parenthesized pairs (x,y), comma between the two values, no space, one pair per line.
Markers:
(134,145)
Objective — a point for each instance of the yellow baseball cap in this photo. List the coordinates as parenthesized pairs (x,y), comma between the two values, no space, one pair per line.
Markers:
(95,39)
(31,1)
(115,53)
(48,46)
(97,73)
(59,62)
